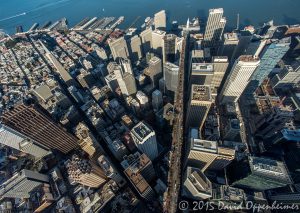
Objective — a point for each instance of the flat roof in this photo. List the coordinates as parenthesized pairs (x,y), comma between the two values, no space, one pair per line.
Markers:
(201,93)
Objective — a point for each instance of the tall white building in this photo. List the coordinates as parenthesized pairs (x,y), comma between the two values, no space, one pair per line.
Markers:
(158,42)
(198,106)
(146,37)
(238,78)
(214,27)
(18,141)
(160,20)
(171,76)
(136,48)
(143,99)
(145,139)
(119,48)
(157,101)
(220,64)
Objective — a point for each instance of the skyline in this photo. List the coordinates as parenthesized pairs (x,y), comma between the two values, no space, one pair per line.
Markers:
(98,117)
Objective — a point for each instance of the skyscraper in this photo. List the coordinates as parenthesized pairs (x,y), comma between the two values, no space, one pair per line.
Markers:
(171,76)
(287,77)
(169,48)
(229,46)
(262,174)
(198,106)
(238,78)
(16,140)
(135,48)
(146,37)
(119,48)
(145,139)
(157,101)
(220,64)
(85,172)
(22,183)
(158,42)
(32,121)
(214,28)
(154,71)
(160,20)
(201,73)
(269,55)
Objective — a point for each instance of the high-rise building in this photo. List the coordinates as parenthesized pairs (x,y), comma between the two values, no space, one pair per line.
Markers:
(18,141)
(110,171)
(229,46)
(157,101)
(270,54)
(238,78)
(33,122)
(158,42)
(171,76)
(204,154)
(169,48)
(135,48)
(85,172)
(196,185)
(145,139)
(160,20)
(198,106)
(220,64)
(139,170)
(154,71)
(262,174)
(119,48)
(214,28)
(21,184)
(146,37)
(288,77)
(232,130)
(127,84)
(201,74)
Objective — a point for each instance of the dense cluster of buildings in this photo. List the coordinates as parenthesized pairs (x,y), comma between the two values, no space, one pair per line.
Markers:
(86,116)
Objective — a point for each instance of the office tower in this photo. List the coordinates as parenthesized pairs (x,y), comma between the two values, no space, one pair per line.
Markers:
(229,46)
(232,130)
(126,66)
(117,148)
(86,79)
(238,78)
(160,20)
(220,64)
(119,48)
(21,184)
(288,77)
(85,172)
(140,171)
(142,99)
(110,171)
(158,42)
(34,123)
(157,101)
(169,48)
(214,28)
(145,139)
(196,185)
(201,73)
(64,74)
(270,54)
(204,154)
(101,53)
(198,106)
(136,48)
(171,76)
(18,141)
(87,140)
(261,174)
(146,37)
(244,40)
(178,47)
(154,71)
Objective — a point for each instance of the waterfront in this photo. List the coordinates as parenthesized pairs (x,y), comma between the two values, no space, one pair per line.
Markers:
(28,12)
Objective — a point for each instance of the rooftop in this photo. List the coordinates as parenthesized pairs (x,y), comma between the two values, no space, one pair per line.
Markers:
(201,93)
(142,130)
